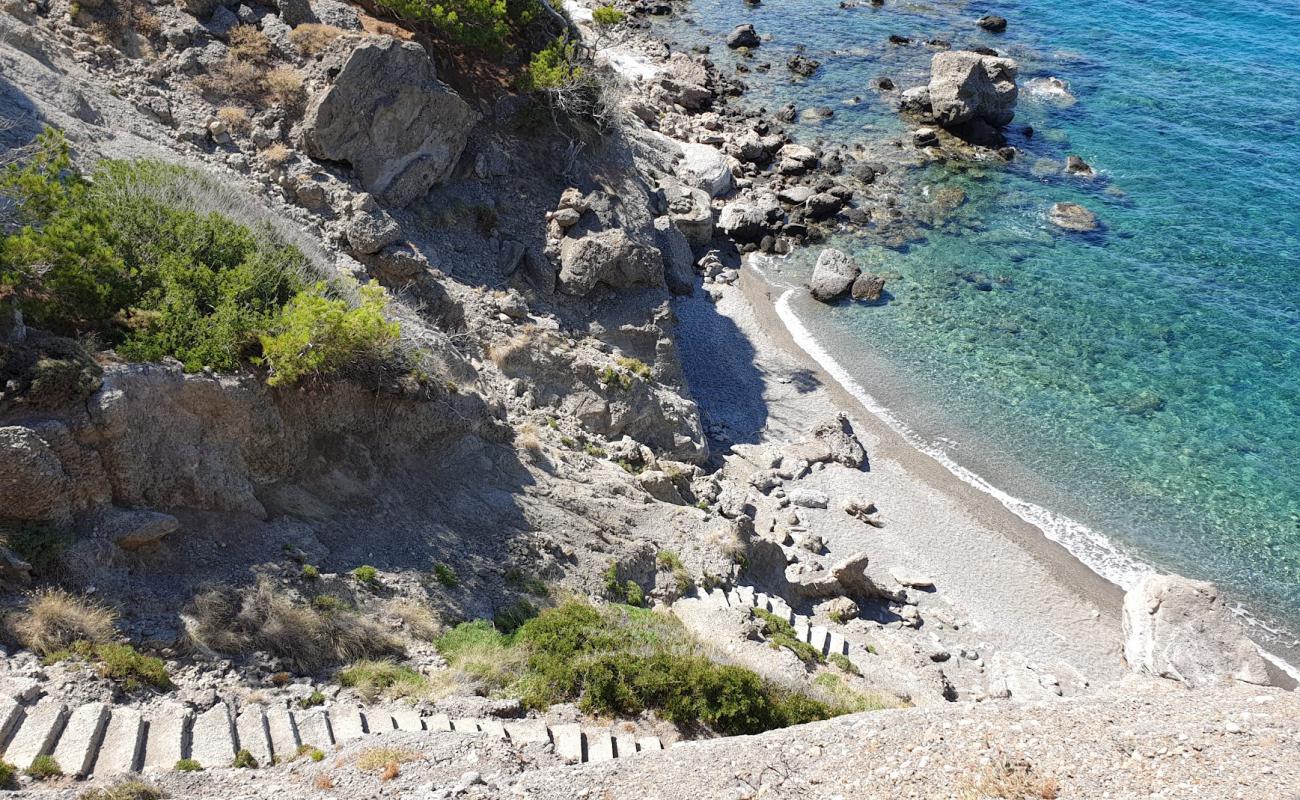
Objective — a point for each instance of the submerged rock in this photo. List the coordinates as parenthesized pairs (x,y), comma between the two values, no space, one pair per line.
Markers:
(1077,166)
(834,275)
(387,114)
(1073,217)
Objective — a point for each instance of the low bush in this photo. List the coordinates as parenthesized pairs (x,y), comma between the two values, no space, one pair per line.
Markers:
(38,545)
(188,765)
(284,88)
(8,776)
(622,661)
(842,661)
(244,760)
(129,789)
(533,585)
(261,617)
(247,43)
(667,559)
(312,700)
(375,758)
(55,620)
(374,679)
(309,572)
(311,38)
(43,768)
(445,575)
(317,335)
(123,664)
(366,574)
(309,751)
(607,16)
(482,24)
(510,618)
(843,698)
(235,119)
(418,619)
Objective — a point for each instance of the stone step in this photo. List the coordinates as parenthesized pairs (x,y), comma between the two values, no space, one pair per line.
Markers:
(123,743)
(37,734)
(251,729)
(600,745)
(493,728)
(648,743)
(838,644)
(212,742)
(718,598)
(819,638)
(284,734)
(438,722)
(347,723)
(463,725)
(167,739)
(11,716)
(801,630)
(746,594)
(408,719)
(527,731)
(81,738)
(568,742)
(624,745)
(314,728)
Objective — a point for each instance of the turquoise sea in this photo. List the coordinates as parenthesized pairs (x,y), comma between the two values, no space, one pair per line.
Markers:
(1138,388)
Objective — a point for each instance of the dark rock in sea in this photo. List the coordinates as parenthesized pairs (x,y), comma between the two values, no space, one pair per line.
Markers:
(833,165)
(884,84)
(1077,166)
(979,133)
(767,244)
(985,51)
(865,172)
(817,113)
(896,39)
(942,44)
(992,23)
(1073,217)
(702,49)
(743,36)
(787,113)
(823,205)
(868,287)
(1027,131)
(925,137)
(802,65)
(1007,153)
(856,215)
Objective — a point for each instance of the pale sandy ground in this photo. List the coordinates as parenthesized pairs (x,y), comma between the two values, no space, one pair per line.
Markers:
(1017,589)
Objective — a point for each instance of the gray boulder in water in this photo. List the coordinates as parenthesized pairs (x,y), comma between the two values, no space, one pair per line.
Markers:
(1181,629)
(833,275)
(1072,217)
(968,87)
(388,115)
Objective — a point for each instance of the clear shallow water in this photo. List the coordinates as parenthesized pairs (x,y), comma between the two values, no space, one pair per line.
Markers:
(1145,380)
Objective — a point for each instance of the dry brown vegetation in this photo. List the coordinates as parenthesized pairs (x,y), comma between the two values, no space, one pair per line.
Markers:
(276,155)
(55,619)
(284,87)
(1006,779)
(311,38)
(262,617)
(417,619)
(380,757)
(234,118)
(250,45)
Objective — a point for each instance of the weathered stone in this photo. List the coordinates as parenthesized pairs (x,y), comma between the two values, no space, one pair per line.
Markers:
(388,115)
(912,580)
(131,530)
(80,739)
(868,287)
(992,23)
(371,232)
(833,275)
(705,168)
(568,742)
(295,12)
(743,36)
(809,498)
(690,211)
(254,737)
(1181,629)
(966,86)
(679,261)
(168,740)
(123,743)
(743,223)
(607,258)
(1073,217)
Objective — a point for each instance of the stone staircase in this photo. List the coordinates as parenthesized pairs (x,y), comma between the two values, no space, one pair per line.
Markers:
(824,640)
(98,739)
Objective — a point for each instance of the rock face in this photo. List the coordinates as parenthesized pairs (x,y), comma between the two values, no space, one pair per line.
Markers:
(968,87)
(1073,217)
(834,274)
(1180,629)
(608,258)
(388,115)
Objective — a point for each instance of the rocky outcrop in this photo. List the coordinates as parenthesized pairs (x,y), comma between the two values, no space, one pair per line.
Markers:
(705,168)
(1073,217)
(743,36)
(868,287)
(1180,629)
(607,258)
(834,275)
(388,115)
(969,87)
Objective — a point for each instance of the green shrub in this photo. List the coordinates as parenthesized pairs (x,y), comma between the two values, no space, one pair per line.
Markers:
(554,67)
(43,768)
(312,700)
(329,604)
(509,619)
(446,576)
(8,775)
(530,584)
(635,596)
(482,24)
(244,760)
(188,765)
(367,575)
(667,559)
(317,335)
(842,661)
(310,573)
(38,545)
(121,663)
(607,16)
(843,699)
(373,679)
(780,633)
(309,751)
(614,588)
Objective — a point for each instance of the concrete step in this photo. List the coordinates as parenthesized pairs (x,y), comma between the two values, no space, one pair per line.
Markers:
(568,742)
(167,738)
(37,734)
(314,728)
(819,638)
(527,731)
(347,723)
(408,719)
(123,743)
(600,745)
(253,735)
(82,735)
(284,734)
(437,722)
(493,728)
(624,745)
(648,743)
(837,644)
(746,595)
(11,716)
(462,725)
(213,739)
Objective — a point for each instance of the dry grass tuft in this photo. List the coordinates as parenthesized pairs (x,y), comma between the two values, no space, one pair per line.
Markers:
(262,617)
(311,38)
(232,79)
(529,439)
(323,782)
(417,618)
(391,770)
(277,155)
(1006,779)
(235,119)
(380,757)
(55,619)
(248,44)
(284,87)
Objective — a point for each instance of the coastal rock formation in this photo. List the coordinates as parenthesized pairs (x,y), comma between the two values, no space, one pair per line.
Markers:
(868,287)
(387,114)
(743,36)
(968,87)
(1178,628)
(609,258)
(834,275)
(705,168)
(992,23)
(690,211)
(1073,217)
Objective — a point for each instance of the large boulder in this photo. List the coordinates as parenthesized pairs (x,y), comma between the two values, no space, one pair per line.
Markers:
(690,211)
(967,87)
(743,36)
(685,82)
(388,115)
(679,261)
(705,168)
(608,258)
(834,274)
(1181,629)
